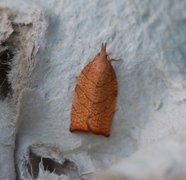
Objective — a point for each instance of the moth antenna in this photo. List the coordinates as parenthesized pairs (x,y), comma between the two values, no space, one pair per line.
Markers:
(115,59)
(103,47)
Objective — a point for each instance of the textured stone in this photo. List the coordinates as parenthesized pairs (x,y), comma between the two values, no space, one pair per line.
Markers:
(57,39)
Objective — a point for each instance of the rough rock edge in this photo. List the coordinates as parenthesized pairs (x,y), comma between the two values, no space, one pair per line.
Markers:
(23,37)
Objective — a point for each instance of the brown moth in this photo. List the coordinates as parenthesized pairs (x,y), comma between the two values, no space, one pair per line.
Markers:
(94,97)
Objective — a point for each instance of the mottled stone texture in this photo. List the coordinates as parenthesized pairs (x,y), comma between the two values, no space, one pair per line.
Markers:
(49,42)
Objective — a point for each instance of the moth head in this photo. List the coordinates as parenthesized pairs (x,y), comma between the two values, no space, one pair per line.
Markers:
(102,54)
(101,61)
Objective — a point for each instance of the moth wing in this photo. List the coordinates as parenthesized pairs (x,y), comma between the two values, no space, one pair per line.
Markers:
(103,110)
(80,111)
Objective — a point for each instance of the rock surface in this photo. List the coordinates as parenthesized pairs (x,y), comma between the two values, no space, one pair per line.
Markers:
(52,41)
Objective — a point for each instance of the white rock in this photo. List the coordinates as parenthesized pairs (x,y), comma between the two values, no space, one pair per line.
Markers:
(53,41)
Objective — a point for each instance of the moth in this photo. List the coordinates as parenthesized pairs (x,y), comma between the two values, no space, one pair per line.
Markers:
(94,97)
